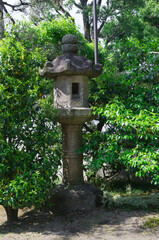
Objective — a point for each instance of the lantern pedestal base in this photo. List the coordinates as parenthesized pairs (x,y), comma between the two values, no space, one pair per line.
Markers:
(75,198)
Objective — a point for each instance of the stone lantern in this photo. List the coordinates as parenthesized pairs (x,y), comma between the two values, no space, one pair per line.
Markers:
(71,74)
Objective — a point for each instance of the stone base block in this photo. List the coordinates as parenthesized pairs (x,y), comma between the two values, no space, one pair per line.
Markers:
(69,199)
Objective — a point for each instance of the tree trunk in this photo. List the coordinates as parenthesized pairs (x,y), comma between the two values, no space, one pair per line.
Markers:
(12,214)
(1,22)
(87,29)
(86,20)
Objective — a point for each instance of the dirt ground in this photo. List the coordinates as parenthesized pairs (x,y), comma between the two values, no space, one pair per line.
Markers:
(94,225)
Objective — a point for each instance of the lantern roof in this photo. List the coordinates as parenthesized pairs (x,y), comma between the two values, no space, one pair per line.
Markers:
(70,63)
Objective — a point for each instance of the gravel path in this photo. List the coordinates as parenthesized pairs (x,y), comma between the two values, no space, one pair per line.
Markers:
(99,224)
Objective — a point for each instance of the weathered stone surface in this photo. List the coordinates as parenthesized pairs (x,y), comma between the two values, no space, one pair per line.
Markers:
(63,92)
(75,115)
(68,199)
(72,159)
(69,38)
(71,64)
(69,48)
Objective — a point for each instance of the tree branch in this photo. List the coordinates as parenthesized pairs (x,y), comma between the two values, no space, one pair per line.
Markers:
(88,129)
(77,5)
(90,4)
(15,6)
(99,3)
(6,12)
(100,126)
(58,12)
(114,35)
(64,11)
(101,26)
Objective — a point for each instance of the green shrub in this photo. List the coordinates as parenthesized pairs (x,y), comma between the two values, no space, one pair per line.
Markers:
(136,202)
(125,98)
(30,150)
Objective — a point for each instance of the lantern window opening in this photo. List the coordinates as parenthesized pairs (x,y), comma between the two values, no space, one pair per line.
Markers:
(75,90)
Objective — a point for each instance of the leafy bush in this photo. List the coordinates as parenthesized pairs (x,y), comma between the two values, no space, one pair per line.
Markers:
(136,202)
(125,99)
(48,35)
(29,136)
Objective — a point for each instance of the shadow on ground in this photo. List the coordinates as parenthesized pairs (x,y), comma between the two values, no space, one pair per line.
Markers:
(46,223)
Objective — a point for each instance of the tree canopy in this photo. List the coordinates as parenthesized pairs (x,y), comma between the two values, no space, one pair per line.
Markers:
(126,97)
